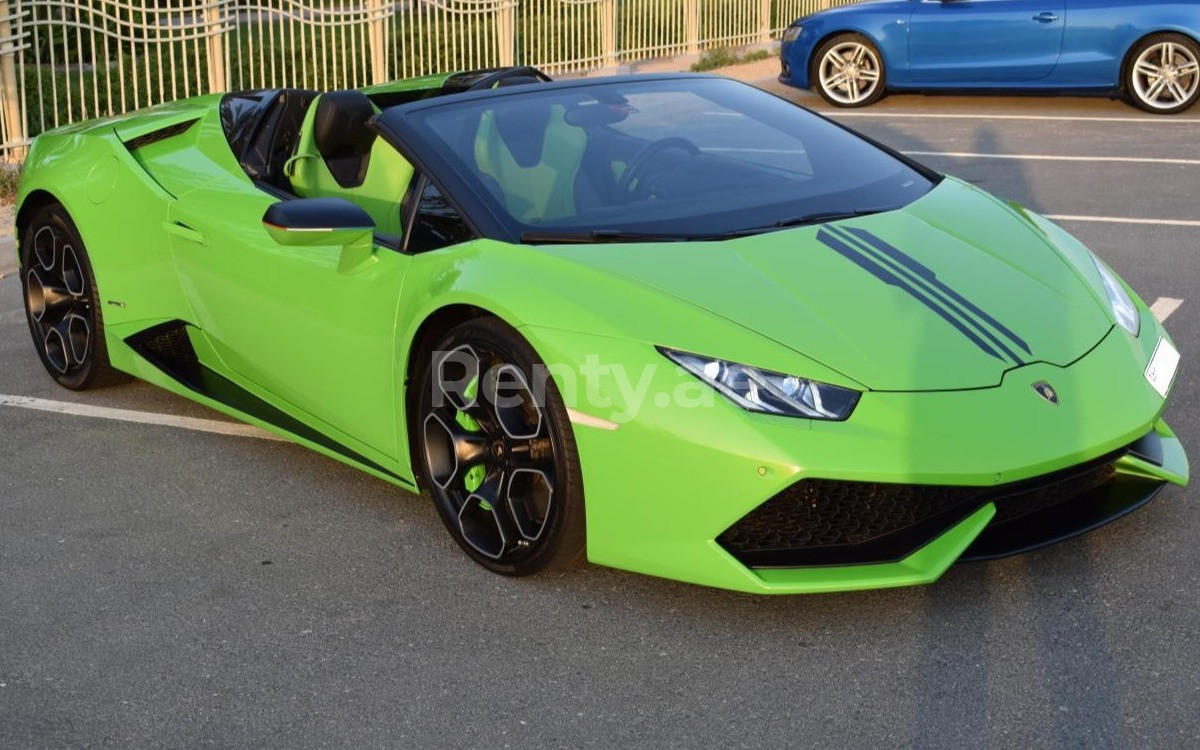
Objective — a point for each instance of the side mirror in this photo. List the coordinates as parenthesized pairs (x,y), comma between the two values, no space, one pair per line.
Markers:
(318,221)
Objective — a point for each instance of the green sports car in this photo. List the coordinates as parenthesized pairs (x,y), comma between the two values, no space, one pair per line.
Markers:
(672,324)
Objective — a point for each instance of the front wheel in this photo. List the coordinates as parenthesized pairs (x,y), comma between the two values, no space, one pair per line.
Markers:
(497,452)
(848,71)
(1163,74)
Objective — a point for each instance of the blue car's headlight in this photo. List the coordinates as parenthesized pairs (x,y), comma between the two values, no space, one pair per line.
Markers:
(769,392)
(1123,308)
(791,32)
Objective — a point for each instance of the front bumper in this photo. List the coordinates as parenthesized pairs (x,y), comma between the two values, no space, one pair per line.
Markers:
(663,487)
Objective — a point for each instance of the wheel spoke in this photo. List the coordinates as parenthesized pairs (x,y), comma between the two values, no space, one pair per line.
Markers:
(456,377)
(70,270)
(1187,69)
(449,449)
(1176,91)
(1156,89)
(837,81)
(483,519)
(859,51)
(78,334)
(1168,54)
(55,346)
(515,404)
(45,247)
(1148,69)
(530,494)
(834,60)
(869,75)
(853,90)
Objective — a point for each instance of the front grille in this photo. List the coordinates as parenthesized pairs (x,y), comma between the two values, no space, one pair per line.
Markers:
(831,522)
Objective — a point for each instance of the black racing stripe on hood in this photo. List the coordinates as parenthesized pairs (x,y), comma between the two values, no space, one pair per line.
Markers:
(927,273)
(928,284)
(888,277)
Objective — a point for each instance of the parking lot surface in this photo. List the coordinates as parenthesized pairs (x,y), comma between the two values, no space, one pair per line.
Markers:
(167,587)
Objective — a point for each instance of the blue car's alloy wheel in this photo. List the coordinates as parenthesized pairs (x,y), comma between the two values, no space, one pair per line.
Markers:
(848,71)
(1164,74)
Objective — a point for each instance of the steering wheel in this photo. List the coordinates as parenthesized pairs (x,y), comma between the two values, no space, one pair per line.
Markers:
(635,173)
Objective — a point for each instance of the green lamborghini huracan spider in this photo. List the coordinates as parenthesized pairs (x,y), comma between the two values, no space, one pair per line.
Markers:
(671,324)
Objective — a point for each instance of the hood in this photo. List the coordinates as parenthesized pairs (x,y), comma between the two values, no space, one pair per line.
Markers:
(947,293)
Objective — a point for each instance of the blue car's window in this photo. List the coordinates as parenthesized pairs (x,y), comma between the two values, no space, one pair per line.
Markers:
(678,157)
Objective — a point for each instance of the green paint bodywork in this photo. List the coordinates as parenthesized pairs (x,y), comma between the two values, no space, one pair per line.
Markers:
(324,333)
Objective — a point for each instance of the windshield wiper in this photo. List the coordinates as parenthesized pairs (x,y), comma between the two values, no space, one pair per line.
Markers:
(620,235)
(611,235)
(819,217)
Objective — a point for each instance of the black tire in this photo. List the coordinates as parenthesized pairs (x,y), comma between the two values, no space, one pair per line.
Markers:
(1153,79)
(62,305)
(867,76)
(523,511)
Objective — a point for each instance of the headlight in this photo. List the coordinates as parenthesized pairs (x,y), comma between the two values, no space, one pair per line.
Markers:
(791,32)
(1122,306)
(768,392)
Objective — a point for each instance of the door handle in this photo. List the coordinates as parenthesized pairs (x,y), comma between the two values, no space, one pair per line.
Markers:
(183,231)
(1046,17)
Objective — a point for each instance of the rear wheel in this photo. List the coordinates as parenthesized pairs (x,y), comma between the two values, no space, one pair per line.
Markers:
(61,303)
(497,452)
(848,71)
(1163,74)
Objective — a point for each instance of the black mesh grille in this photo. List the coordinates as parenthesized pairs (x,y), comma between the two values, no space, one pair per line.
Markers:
(158,135)
(829,522)
(171,344)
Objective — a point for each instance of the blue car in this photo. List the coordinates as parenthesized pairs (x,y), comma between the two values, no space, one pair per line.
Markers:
(1146,51)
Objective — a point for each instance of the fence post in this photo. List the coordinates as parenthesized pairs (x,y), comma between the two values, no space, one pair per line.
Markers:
(608,34)
(14,121)
(376,32)
(214,22)
(764,21)
(506,33)
(691,26)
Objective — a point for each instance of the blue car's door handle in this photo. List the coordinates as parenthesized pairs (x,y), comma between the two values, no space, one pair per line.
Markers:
(1046,17)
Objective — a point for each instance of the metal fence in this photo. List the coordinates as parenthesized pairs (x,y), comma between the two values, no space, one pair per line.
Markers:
(62,61)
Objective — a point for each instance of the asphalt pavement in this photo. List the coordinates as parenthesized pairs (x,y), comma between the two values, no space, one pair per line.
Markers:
(163,587)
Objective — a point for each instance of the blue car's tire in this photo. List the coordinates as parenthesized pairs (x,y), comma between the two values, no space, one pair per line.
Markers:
(497,452)
(62,304)
(1162,73)
(848,71)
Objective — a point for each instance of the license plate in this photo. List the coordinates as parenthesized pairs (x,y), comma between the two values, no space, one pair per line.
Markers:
(1161,370)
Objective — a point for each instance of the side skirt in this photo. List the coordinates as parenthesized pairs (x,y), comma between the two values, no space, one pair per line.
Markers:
(168,347)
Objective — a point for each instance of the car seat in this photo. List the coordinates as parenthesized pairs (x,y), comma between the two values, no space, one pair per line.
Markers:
(534,155)
(338,156)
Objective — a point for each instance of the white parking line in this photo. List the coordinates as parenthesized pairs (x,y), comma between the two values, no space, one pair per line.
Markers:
(1033,118)
(140,417)
(1124,220)
(1164,306)
(1051,157)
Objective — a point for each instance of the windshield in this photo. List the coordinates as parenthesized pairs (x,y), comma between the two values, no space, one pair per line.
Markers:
(676,158)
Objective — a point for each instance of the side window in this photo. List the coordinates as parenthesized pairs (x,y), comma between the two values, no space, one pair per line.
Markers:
(433,222)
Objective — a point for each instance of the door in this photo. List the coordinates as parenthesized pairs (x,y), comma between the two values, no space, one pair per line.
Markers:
(985,42)
(287,319)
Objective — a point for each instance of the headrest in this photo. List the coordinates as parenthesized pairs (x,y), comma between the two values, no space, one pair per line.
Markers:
(522,127)
(341,134)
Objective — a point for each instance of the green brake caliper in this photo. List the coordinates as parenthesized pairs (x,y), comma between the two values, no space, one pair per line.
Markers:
(477,473)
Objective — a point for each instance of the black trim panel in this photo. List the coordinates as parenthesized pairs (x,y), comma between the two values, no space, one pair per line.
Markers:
(168,347)
(1075,517)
